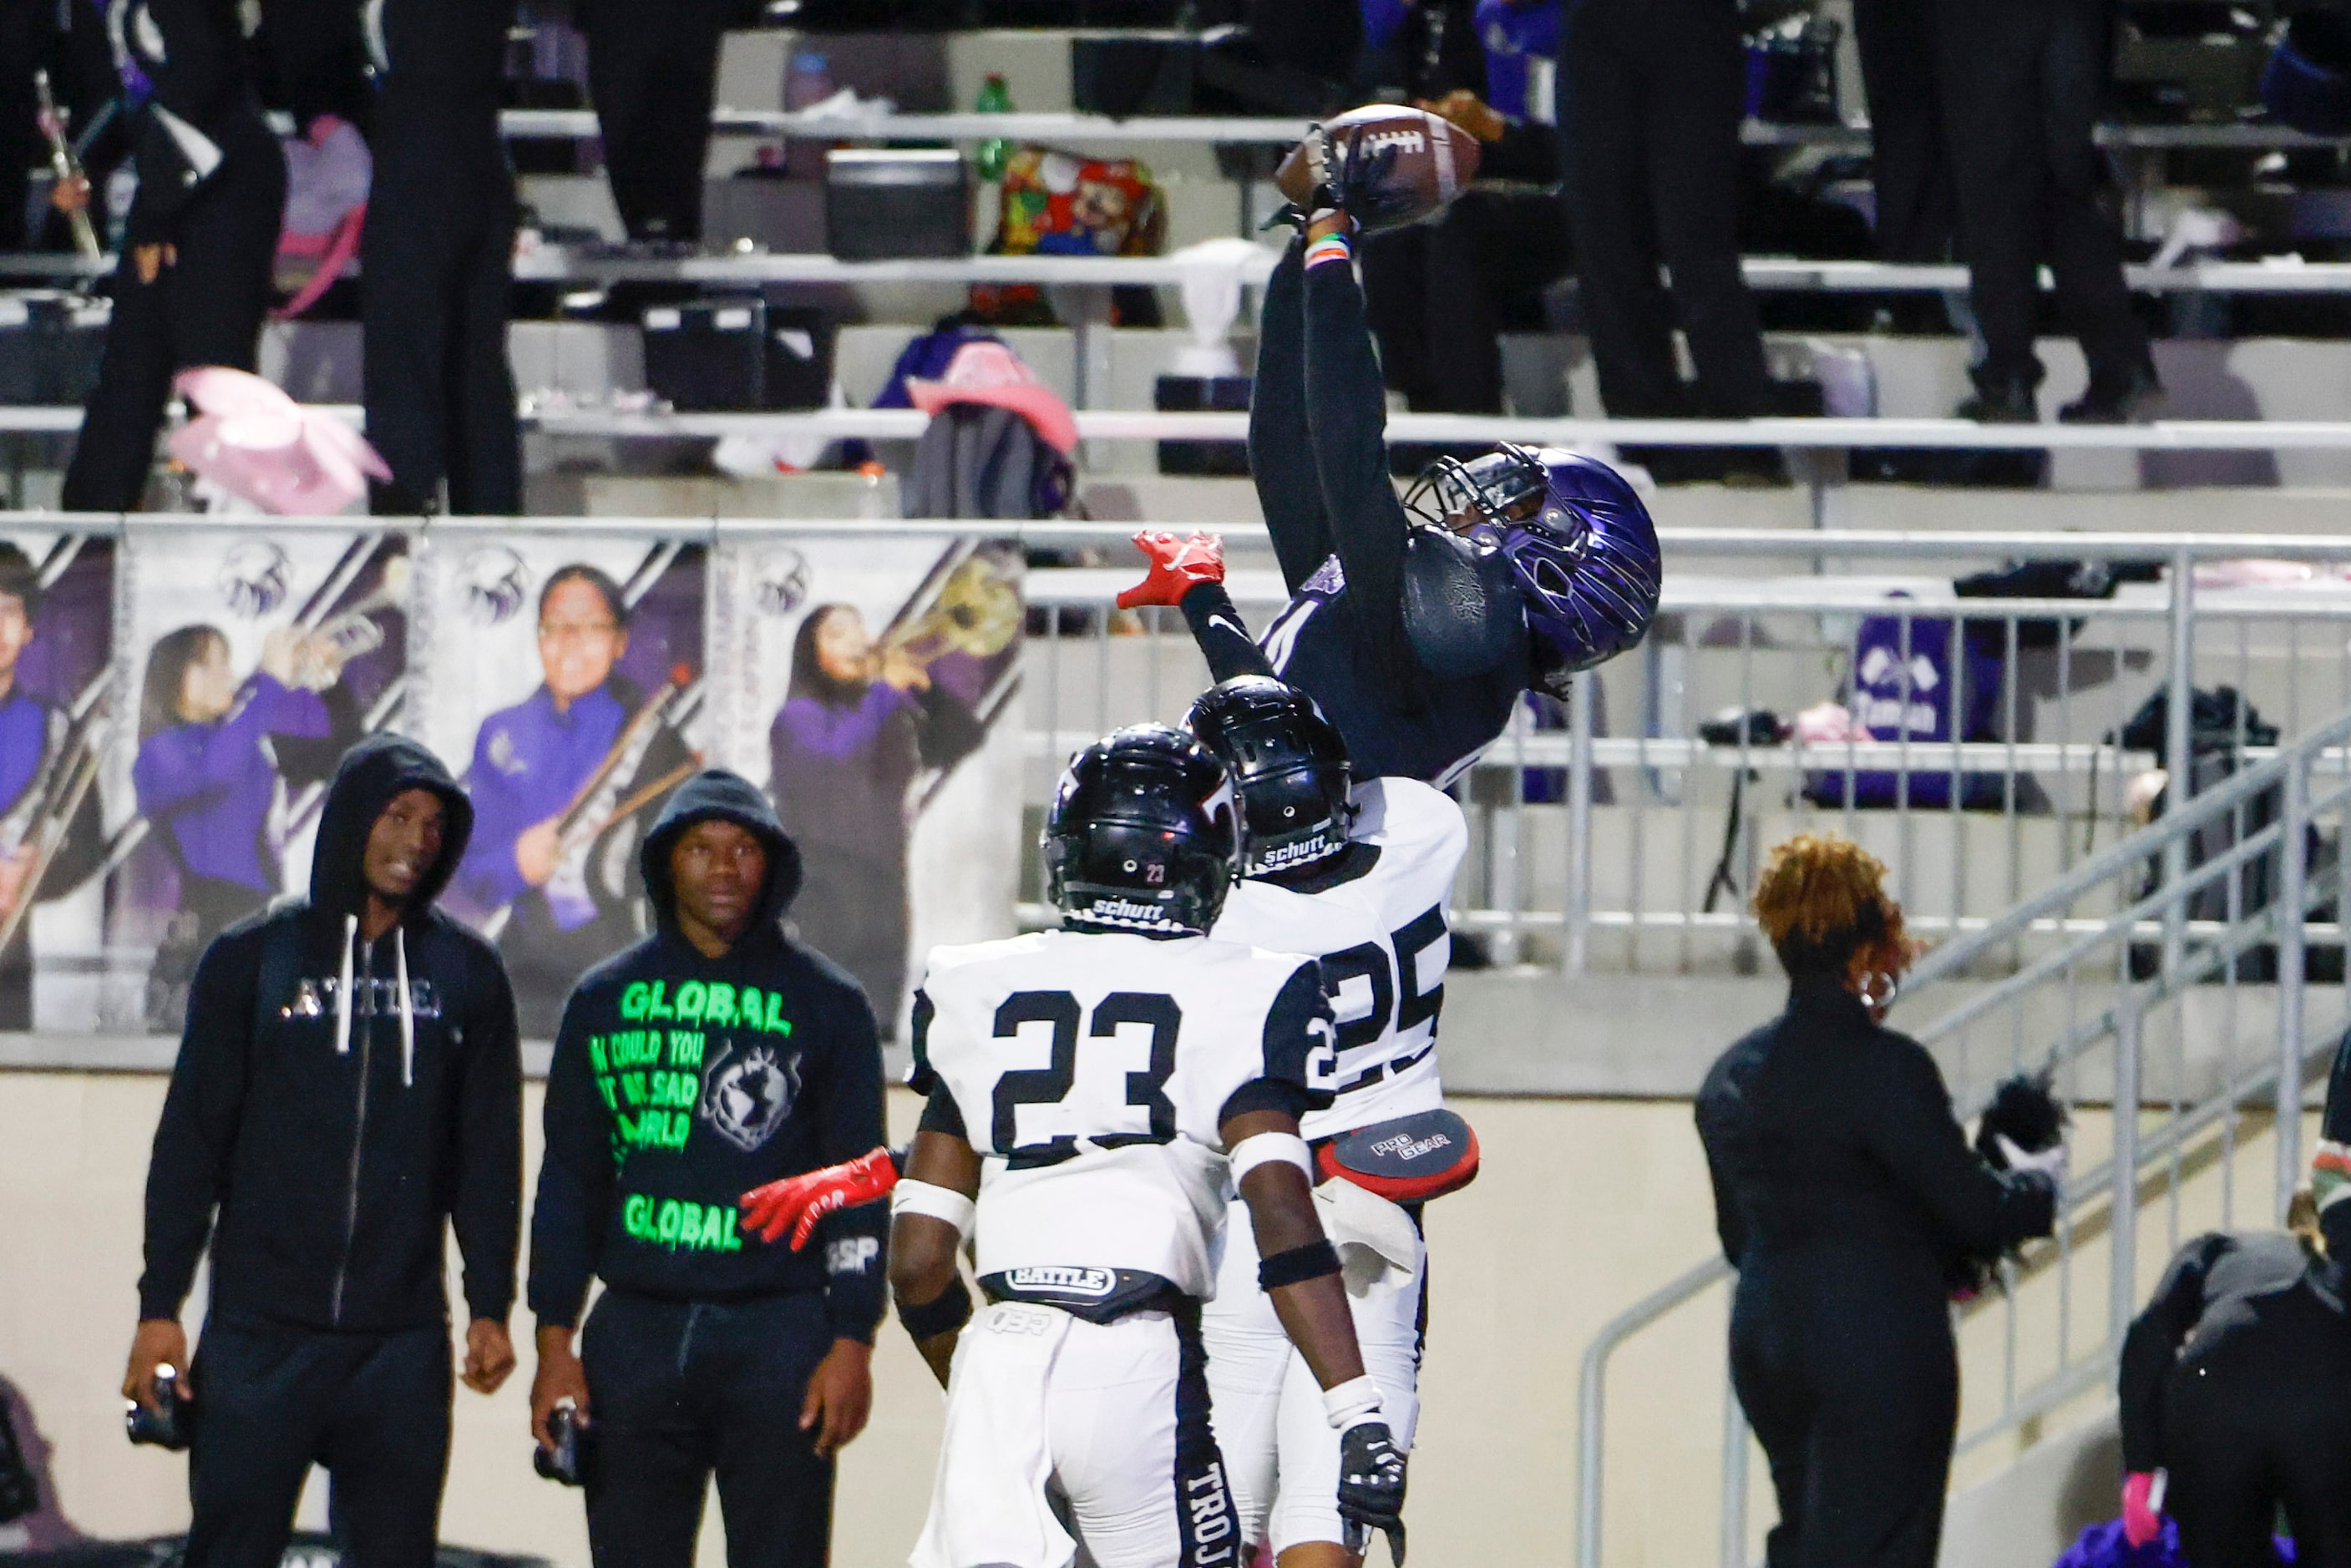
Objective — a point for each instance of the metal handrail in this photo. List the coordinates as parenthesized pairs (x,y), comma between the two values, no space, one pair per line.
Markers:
(2282,769)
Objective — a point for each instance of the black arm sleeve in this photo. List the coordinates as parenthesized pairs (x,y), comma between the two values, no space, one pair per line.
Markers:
(575,1179)
(196,1136)
(1222,636)
(1347,431)
(2153,1343)
(849,1108)
(1287,489)
(488,1212)
(1909,1129)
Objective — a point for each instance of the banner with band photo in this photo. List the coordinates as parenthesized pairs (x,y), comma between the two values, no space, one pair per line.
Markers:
(249,662)
(57,670)
(871,688)
(174,700)
(561,681)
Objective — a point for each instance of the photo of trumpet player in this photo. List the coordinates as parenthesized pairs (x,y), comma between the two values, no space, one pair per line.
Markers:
(570,676)
(262,659)
(882,673)
(56,638)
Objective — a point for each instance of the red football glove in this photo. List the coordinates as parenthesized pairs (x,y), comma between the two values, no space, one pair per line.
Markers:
(1178,565)
(2142,1507)
(799,1201)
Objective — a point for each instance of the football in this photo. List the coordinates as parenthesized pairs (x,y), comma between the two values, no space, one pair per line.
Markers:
(1435,158)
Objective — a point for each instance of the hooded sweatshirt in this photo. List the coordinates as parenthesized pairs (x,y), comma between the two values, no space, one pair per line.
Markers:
(335,1097)
(680,1082)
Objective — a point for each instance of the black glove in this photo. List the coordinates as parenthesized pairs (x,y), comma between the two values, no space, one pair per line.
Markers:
(1370,1486)
(2027,1114)
(1363,186)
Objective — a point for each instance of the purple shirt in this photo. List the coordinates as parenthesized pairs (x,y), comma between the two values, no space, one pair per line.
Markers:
(529,762)
(840,776)
(210,786)
(24,732)
(1509,33)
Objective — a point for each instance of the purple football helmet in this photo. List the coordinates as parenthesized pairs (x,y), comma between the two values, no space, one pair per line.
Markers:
(1580,544)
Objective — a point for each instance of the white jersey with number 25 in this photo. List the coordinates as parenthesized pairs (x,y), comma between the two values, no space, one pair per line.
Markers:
(1091,1070)
(1384,945)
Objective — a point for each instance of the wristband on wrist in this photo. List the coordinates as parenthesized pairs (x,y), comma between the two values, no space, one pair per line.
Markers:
(950,1312)
(1354,1401)
(1312,1261)
(1329,248)
(909,1197)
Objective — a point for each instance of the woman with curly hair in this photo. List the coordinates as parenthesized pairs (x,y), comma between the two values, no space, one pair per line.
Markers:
(1847,1196)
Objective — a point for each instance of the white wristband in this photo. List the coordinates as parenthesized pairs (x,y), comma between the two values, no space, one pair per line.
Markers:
(938,1202)
(1357,1399)
(1268,1148)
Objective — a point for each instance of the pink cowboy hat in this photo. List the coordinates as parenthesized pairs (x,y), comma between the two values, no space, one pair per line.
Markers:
(992,374)
(260,445)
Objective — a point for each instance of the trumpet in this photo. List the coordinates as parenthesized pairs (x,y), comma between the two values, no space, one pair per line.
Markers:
(325,648)
(976,612)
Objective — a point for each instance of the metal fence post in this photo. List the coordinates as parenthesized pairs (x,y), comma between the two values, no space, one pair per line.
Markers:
(2124,1228)
(1578,907)
(2292,909)
(2179,766)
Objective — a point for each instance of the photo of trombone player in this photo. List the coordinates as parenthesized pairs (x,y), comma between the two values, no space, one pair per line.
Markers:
(561,783)
(869,728)
(51,839)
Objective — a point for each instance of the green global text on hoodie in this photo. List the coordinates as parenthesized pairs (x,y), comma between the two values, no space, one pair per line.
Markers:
(680,1082)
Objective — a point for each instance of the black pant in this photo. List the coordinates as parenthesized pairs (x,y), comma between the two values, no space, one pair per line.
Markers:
(2253,1421)
(271,1401)
(679,1390)
(435,265)
(1850,1381)
(1916,212)
(1650,93)
(1437,294)
(205,309)
(2026,78)
(652,70)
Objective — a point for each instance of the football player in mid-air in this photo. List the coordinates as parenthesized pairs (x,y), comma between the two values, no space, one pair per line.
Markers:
(1094,1094)
(1415,625)
(1358,875)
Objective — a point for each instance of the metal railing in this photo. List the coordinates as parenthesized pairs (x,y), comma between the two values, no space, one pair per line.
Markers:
(2175,988)
(1610,836)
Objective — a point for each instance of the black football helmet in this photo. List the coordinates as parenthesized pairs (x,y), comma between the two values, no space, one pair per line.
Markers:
(1288,765)
(1142,834)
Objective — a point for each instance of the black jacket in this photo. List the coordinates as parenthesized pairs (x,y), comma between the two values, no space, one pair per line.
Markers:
(2213,1289)
(331,1168)
(681,1082)
(1823,1128)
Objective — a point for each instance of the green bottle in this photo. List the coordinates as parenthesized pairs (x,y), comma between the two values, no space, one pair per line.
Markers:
(996,151)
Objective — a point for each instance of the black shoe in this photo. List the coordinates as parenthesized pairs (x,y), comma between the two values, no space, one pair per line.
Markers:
(2135,401)
(2000,403)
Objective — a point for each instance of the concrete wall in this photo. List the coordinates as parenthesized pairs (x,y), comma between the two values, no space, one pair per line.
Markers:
(1582,1206)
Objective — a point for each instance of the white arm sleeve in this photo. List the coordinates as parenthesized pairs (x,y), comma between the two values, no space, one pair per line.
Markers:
(1266,1147)
(938,1202)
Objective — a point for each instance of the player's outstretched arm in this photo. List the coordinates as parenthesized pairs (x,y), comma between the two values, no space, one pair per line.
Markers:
(1300,1270)
(933,1211)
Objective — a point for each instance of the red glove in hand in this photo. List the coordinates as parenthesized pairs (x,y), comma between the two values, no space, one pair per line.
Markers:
(1178,565)
(2142,1507)
(799,1201)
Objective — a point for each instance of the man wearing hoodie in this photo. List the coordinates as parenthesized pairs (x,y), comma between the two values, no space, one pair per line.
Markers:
(348,1076)
(711,1057)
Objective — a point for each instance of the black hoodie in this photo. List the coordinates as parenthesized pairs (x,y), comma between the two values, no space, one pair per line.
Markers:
(334,1115)
(680,1082)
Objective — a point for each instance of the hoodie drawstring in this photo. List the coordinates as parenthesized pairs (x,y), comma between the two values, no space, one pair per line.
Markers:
(343,987)
(407,1018)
